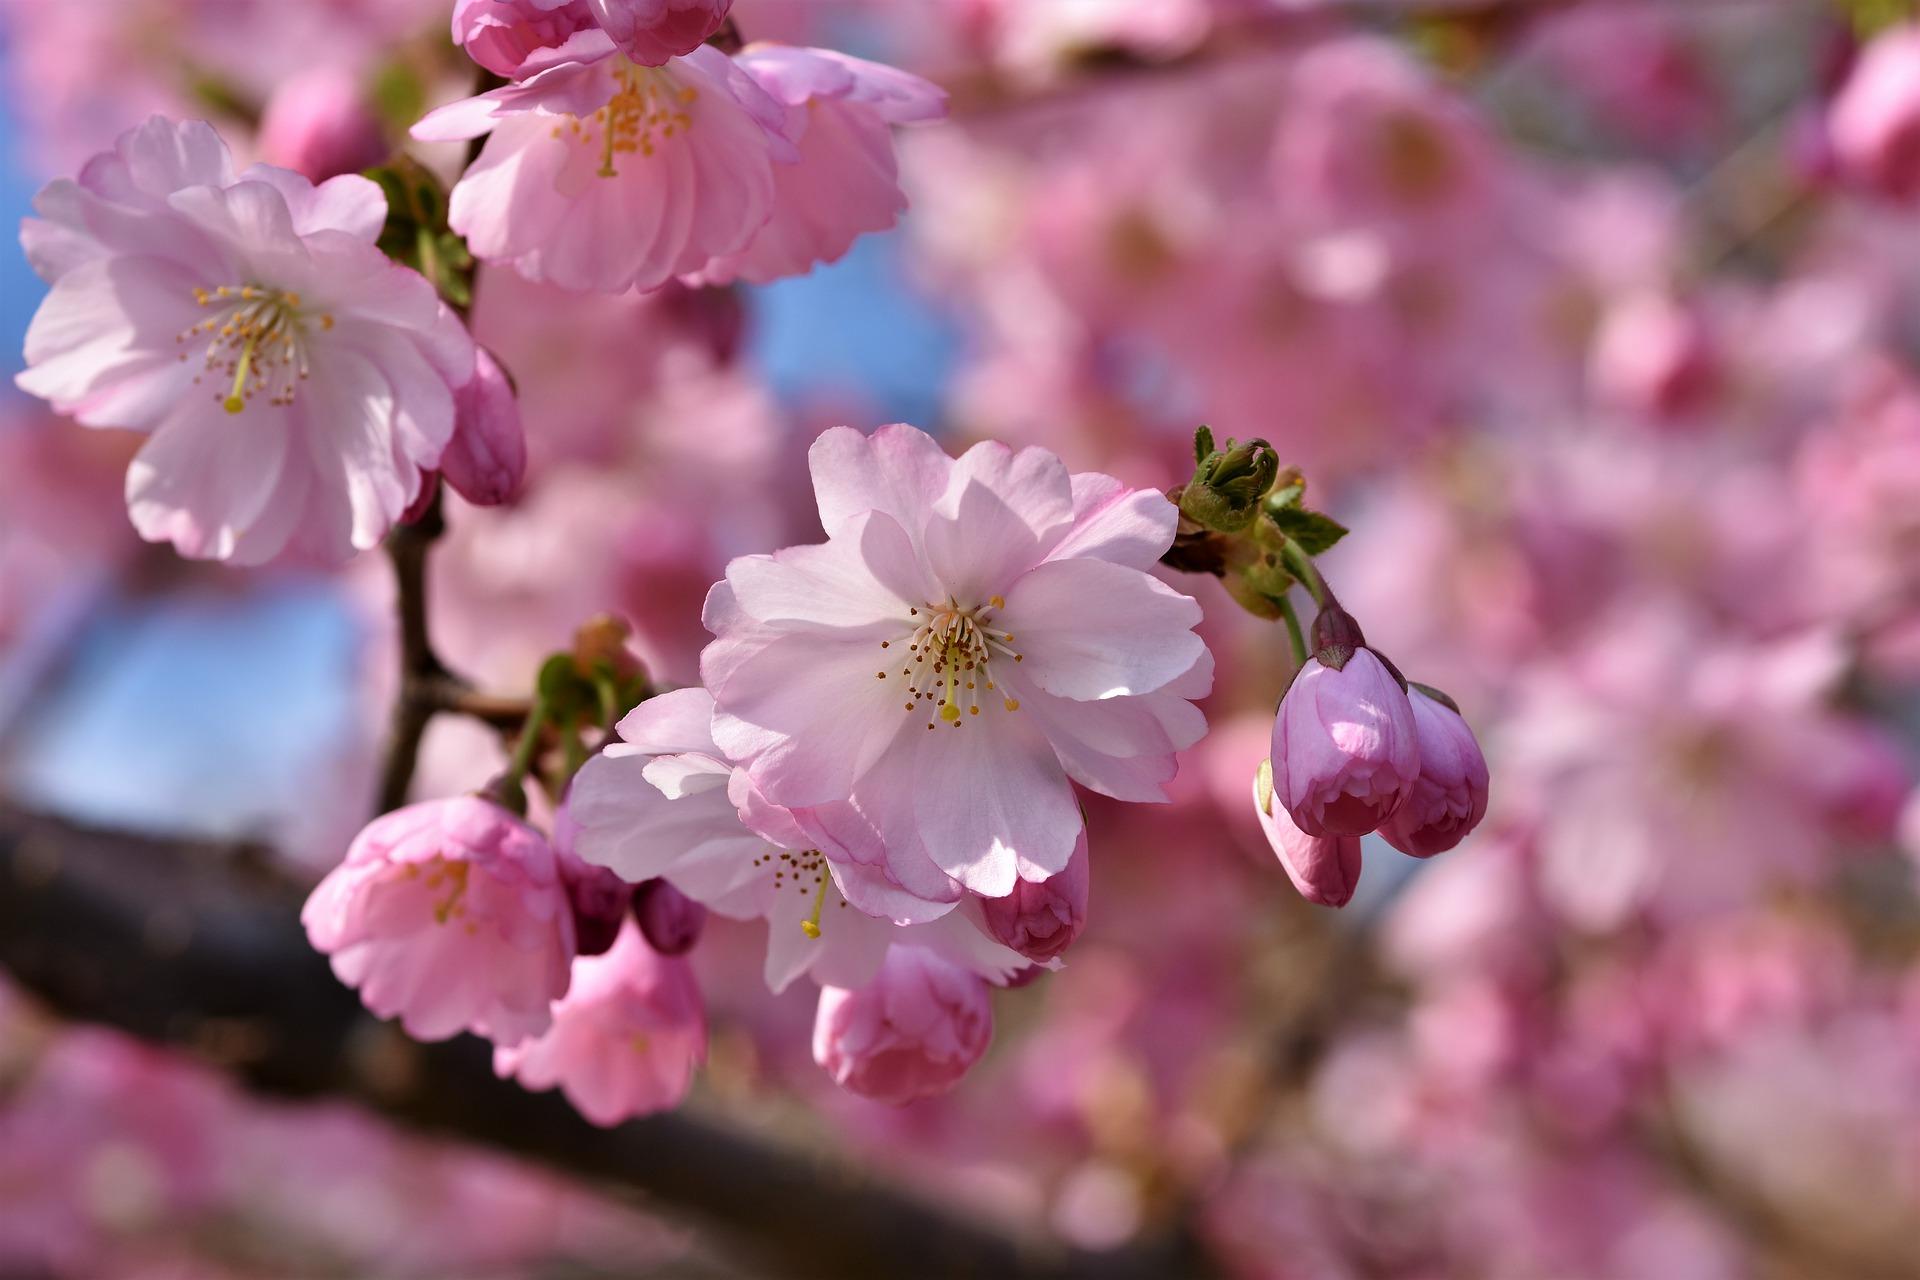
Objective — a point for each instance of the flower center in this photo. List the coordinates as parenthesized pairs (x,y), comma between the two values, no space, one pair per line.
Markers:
(256,342)
(647,107)
(950,663)
(804,873)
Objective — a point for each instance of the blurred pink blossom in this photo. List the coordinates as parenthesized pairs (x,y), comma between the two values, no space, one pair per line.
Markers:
(625,1039)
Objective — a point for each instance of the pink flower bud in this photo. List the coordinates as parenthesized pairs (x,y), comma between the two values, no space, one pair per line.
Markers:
(486,461)
(626,1039)
(1450,796)
(671,921)
(1325,869)
(1345,751)
(910,1033)
(452,916)
(1874,126)
(1041,920)
(517,38)
(652,31)
(601,902)
(320,124)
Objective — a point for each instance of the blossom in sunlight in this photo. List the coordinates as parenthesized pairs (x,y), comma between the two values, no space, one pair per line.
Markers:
(840,110)
(519,38)
(1325,869)
(665,803)
(975,635)
(452,916)
(1346,750)
(1449,797)
(295,382)
(625,1040)
(652,32)
(910,1033)
(607,175)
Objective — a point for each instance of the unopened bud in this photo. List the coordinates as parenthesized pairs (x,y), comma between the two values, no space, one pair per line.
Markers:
(486,461)
(671,921)
(1228,484)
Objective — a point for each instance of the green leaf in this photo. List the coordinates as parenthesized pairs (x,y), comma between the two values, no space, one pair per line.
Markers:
(1202,445)
(1314,532)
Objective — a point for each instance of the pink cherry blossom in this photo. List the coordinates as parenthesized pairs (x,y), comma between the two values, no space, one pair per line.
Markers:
(610,176)
(452,916)
(1874,123)
(321,125)
(911,1033)
(1041,920)
(625,1040)
(975,635)
(520,38)
(1345,746)
(1450,796)
(294,380)
(846,180)
(1325,869)
(486,461)
(652,32)
(664,803)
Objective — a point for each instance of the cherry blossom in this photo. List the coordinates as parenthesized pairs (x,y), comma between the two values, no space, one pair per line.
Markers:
(607,175)
(975,635)
(625,1039)
(450,915)
(295,382)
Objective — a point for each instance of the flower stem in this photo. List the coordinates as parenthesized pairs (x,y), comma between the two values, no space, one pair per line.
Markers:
(1301,565)
(529,744)
(1294,635)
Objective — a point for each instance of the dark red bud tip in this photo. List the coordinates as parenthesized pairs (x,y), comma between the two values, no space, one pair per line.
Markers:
(671,921)
(1335,637)
(599,900)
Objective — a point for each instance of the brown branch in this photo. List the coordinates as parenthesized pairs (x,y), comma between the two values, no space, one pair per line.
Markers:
(199,946)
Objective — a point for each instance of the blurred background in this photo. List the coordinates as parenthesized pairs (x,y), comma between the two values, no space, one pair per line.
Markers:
(1596,320)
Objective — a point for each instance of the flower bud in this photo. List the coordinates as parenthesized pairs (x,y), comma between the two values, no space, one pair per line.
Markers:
(653,31)
(600,900)
(1228,485)
(1345,750)
(1325,869)
(671,921)
(486,461)
(626,1039)
(319,124)
(1874,124)
(911,1033)
(1450,796)
(1041,920)
(452,916)
(517,38)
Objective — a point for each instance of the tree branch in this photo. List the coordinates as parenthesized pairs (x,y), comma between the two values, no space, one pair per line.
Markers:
(199,946)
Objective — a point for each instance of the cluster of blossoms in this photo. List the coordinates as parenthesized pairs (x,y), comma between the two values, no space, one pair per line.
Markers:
(1650,514)
(880,765)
